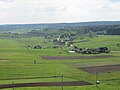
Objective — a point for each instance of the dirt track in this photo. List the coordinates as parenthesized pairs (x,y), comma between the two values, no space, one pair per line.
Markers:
(102,69)
(76,83)
(75,57)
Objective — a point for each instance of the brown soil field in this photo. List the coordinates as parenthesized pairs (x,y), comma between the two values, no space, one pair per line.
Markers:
(4,60)
(45,84)
(75,57)
(101,69)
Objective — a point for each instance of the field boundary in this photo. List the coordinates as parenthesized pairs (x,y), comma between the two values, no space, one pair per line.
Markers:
(76,57)
(45,84)
(31,78)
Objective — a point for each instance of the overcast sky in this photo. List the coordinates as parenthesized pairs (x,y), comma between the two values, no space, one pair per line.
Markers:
(52,11)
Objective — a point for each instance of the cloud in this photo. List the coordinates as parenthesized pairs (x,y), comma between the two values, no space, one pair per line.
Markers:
(41,11)
(6,0)
(115,0)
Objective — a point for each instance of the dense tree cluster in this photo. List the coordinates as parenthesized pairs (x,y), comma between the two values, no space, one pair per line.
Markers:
(67,31)
(100,29)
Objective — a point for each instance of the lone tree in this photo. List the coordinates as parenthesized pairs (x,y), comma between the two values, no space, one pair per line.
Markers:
(37,47)
(118,44)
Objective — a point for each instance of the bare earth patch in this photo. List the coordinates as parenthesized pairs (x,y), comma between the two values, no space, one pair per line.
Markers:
(4,60)
(102,69)
(75,57)
(76,83)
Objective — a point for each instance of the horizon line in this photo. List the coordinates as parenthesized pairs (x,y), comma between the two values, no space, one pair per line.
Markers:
(60,22)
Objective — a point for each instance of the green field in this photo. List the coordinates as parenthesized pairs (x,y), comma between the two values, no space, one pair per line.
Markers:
(16,64)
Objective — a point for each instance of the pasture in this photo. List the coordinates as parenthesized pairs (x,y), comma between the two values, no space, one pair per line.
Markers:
(17,64)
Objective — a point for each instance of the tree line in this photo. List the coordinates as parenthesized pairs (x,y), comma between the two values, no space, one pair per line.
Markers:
(67,31)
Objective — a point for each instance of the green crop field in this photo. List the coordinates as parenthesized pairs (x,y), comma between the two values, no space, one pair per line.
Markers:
(17,64)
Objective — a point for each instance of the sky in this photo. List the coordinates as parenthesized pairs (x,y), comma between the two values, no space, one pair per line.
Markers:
(58,11)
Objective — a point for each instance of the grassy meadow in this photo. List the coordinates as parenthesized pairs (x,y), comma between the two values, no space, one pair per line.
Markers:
(17,64)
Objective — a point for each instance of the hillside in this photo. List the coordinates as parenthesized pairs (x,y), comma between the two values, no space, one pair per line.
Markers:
(56,25)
